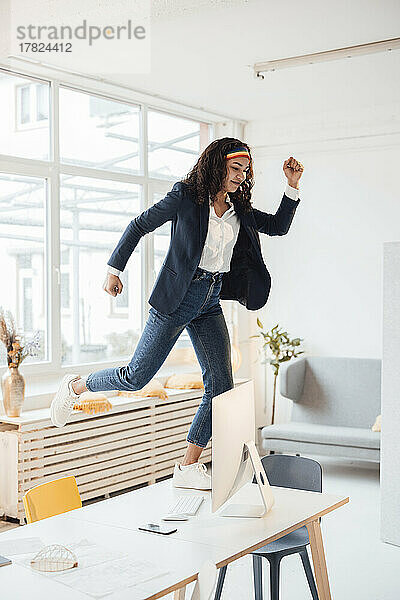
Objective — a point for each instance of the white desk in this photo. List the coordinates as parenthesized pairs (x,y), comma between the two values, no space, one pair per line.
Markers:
(181,559)
(114,523)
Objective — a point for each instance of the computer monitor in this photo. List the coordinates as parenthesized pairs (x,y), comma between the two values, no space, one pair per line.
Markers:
(235,460)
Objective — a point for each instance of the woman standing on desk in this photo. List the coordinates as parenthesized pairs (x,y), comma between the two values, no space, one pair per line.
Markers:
(214,254)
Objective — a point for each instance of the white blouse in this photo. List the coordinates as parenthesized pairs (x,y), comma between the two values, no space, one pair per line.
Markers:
(221,237)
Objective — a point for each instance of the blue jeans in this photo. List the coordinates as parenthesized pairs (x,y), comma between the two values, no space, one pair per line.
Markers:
(201,314)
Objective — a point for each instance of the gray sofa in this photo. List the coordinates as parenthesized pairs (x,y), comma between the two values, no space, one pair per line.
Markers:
(335,403)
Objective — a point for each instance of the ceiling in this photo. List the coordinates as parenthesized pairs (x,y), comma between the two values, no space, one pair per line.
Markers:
(202,54)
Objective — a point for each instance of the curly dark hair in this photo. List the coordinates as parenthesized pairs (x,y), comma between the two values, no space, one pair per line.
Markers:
(208,174)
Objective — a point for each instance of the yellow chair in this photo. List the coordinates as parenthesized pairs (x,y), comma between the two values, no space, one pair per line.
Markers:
(52,498)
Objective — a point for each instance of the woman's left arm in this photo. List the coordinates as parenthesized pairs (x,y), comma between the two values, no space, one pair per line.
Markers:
(279,223)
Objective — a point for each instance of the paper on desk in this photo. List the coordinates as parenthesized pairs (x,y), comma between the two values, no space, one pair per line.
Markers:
(20,546)
(101,571)
(100,580)
(87,553)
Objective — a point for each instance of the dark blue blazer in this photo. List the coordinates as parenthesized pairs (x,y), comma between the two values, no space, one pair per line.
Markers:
(247,281)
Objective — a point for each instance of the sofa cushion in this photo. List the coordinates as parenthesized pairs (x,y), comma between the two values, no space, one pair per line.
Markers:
(185,381)
(323,434)
(377,426)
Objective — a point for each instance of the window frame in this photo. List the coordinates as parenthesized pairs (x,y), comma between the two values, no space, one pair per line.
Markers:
(52,170)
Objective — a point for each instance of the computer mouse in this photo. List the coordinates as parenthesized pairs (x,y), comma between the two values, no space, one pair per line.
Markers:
(180,517)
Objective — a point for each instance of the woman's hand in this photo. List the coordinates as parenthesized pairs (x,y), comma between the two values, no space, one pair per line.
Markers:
(112,285)
(293,171)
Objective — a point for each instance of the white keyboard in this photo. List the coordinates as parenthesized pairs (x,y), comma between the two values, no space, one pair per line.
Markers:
(187,505)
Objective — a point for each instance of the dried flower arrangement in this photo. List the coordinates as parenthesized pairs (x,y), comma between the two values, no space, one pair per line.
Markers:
(17,350)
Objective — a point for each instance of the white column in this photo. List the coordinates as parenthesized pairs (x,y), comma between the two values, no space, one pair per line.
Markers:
(390,438)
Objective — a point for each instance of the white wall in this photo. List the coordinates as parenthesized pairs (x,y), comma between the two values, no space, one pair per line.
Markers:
(327,271)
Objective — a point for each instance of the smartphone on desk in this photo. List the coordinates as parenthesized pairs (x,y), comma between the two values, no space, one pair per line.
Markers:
(155,528)
(4,561)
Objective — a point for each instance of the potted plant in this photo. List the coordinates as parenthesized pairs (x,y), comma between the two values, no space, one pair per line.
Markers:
(282,348)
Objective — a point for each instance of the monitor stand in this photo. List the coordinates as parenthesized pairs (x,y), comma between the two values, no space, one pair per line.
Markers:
(249,510)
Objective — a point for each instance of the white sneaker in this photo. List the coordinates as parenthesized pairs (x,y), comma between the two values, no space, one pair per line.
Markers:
(63,402)
(191,476)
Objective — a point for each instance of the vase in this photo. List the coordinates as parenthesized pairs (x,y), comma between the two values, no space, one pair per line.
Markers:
(13,388)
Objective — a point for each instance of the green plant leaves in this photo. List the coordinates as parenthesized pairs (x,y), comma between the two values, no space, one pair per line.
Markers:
(279,344)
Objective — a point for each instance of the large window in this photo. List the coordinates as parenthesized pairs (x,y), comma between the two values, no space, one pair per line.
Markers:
(22,255)
(24,117)
(93,213)
(98,132)
(174,144)
(68,189)
(32,105)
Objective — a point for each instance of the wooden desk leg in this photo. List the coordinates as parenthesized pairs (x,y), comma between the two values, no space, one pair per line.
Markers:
(318,556)
(180,594)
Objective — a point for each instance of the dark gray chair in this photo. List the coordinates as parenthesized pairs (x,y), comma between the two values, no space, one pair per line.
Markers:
(291,472)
